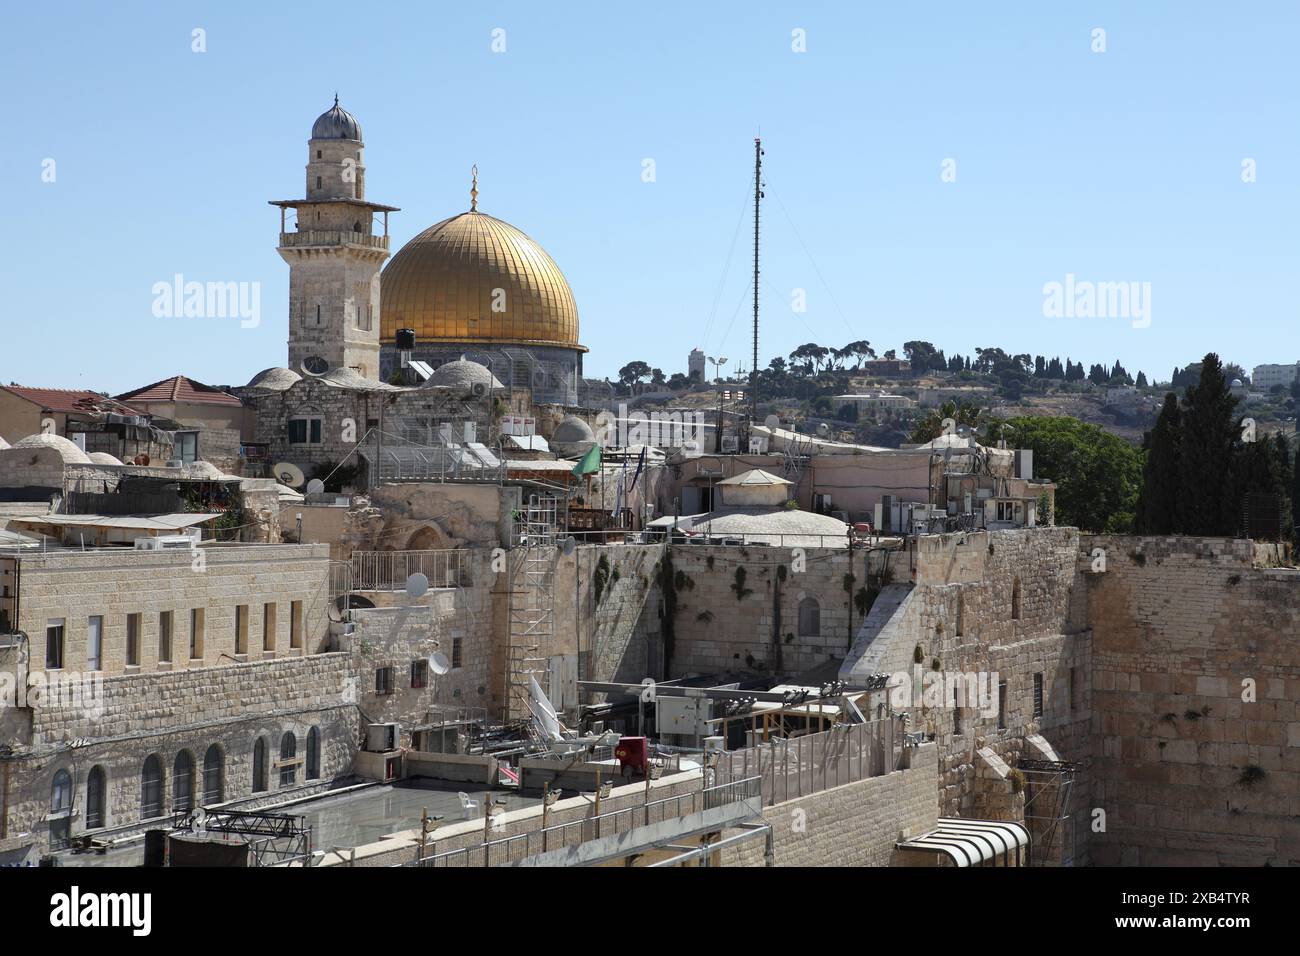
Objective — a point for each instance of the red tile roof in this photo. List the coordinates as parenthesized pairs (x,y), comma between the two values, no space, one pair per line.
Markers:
(178,388)
(74,400)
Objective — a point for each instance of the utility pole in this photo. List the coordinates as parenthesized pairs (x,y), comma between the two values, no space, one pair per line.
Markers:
(753,368)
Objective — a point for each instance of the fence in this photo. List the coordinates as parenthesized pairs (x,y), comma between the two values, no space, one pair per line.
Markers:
(793,767)
(389,570)
(512,849)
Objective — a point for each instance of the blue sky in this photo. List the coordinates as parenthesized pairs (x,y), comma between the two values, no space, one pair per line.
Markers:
(1118,166)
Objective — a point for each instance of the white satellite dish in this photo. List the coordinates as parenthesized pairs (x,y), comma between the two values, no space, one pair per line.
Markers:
(823,429)
(416,585)
(315,486)
(772,422)
(568,545)
(439,664)
(288,474)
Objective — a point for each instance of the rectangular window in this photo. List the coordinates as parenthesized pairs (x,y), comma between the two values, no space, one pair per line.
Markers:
(1002,705)
(455,652)
(133,640)
(304,431)
(241,628)
(54,643)
(197,616)
(384,681)
(1073,686)
(295,624)
(1038,694)
(95,644)
(419,674)
(165,637)
(268,627)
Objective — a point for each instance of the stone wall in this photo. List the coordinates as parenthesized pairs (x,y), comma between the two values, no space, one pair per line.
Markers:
(856,824)
(1196,747)
(737,608)
(229,707)
(115,583)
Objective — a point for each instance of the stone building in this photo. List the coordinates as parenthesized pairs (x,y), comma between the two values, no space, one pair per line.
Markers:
(211,422)
(166,680)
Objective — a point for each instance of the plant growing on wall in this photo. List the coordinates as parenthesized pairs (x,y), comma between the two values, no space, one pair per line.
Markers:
(1251,775)
(601,578)
(738,586)
(918,655)
(1016,778)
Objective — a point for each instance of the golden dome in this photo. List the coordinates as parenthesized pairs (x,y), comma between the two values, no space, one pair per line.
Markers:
(442,285)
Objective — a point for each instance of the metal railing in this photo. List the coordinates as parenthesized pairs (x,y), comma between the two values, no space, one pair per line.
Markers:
(332,237)
(512,849)
(389,570)
(792,767)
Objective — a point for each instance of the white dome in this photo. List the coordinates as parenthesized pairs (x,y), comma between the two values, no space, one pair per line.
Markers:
(462,373)
(103,458)
(71,454)
(572,430)
(275,379)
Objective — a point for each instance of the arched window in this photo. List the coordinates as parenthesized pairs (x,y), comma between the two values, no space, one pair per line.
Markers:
(151,788)
(1015,599)
(212,789)
(60,810)
(259,765)
(183,783)
(313,754)
(288,750)
(810,618)
(96,790)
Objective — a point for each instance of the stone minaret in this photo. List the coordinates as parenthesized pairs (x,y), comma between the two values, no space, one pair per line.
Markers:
(333,254)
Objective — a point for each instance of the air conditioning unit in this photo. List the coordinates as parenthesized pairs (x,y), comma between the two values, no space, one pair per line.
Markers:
(166,542)
(381,738)
(730,444)
(478,389)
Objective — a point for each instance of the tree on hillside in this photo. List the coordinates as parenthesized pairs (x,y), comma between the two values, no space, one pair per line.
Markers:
(633,372)
(964,416)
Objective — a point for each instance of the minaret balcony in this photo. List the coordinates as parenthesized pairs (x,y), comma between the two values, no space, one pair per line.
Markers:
(332,238)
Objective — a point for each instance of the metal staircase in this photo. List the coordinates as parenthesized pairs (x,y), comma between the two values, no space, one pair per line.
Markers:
(532,602)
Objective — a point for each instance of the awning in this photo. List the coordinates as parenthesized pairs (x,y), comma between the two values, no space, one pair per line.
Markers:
(166,522)
(974,842)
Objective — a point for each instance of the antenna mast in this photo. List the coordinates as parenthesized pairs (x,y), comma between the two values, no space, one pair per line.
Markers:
(753,369)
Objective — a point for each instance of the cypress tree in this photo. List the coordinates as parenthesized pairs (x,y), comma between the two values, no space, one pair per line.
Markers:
(1209,483)
(1157,507)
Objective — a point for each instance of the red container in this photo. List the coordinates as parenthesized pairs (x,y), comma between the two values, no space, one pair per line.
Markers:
(631,753)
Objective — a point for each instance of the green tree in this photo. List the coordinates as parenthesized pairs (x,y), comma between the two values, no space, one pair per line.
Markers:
(1157,508)
(1097,474)
(1209,483)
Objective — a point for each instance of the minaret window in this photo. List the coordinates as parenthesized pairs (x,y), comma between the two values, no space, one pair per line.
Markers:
(318,315)
(318,184)
(318,154)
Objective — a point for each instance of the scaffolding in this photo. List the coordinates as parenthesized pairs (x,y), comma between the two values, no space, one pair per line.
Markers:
(532,603)
(1048,787)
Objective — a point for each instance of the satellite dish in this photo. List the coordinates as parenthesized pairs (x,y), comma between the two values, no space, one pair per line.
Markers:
(439,664)
(314,365)
(315,486)
(823,429)
(289,474)
(772,422)
(568,545)
(416,585)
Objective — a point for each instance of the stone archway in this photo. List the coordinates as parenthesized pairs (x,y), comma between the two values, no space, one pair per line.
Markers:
(427,537)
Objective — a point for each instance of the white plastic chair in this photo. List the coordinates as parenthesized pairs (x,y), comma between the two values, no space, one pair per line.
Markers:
(467,805)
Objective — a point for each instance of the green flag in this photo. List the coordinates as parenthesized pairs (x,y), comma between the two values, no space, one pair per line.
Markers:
(590,462)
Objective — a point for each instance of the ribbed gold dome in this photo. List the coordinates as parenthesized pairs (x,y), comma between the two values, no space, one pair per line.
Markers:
(442,282)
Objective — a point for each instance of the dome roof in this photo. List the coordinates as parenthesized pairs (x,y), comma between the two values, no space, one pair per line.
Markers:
(442,285)
(3,444)
(462,373)
(103,458)
(276,379)
(336,123)
(71,454)
(343,377)
(571,431)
